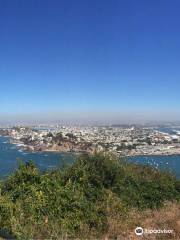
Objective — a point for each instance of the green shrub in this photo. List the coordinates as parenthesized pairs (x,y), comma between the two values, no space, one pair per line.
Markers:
(78,200)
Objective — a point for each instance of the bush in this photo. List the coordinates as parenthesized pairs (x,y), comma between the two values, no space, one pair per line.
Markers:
(79,200)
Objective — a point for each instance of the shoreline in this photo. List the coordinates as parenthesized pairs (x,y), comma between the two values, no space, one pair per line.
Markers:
(55,155)
(80,152)
(30,148)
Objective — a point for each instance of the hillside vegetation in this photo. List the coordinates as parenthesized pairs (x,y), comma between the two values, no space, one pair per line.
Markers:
(98,197)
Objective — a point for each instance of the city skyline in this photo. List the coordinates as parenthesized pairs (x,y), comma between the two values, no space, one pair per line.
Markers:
(89,61)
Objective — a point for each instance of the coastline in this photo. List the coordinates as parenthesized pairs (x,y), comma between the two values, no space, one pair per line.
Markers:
(31,148)
(167,151)
(54,156)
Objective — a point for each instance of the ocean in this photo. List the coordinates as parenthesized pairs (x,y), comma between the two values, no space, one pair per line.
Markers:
(11,154)
(169,163)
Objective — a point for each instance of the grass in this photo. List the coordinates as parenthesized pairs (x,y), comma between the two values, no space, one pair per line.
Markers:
(98,197)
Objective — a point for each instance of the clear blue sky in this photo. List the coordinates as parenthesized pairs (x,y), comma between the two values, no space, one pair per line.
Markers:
(89,55)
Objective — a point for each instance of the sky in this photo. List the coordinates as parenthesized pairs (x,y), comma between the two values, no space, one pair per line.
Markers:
(116,60)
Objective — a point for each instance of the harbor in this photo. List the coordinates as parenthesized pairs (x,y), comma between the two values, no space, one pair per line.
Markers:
(11,155)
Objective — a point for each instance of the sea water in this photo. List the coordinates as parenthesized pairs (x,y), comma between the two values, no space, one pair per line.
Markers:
(11,155)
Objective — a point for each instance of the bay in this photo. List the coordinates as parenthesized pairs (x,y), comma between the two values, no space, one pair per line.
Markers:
(168,163)
(11,154)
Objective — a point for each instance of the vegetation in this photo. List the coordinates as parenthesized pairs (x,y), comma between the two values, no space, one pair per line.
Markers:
(98,196)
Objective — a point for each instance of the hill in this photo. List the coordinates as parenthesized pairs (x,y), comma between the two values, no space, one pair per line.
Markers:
(100,196)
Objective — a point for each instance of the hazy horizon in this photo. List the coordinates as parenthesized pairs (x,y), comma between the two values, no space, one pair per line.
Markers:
(90,118)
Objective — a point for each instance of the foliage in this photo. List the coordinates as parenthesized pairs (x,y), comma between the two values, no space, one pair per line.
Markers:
(78,201)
